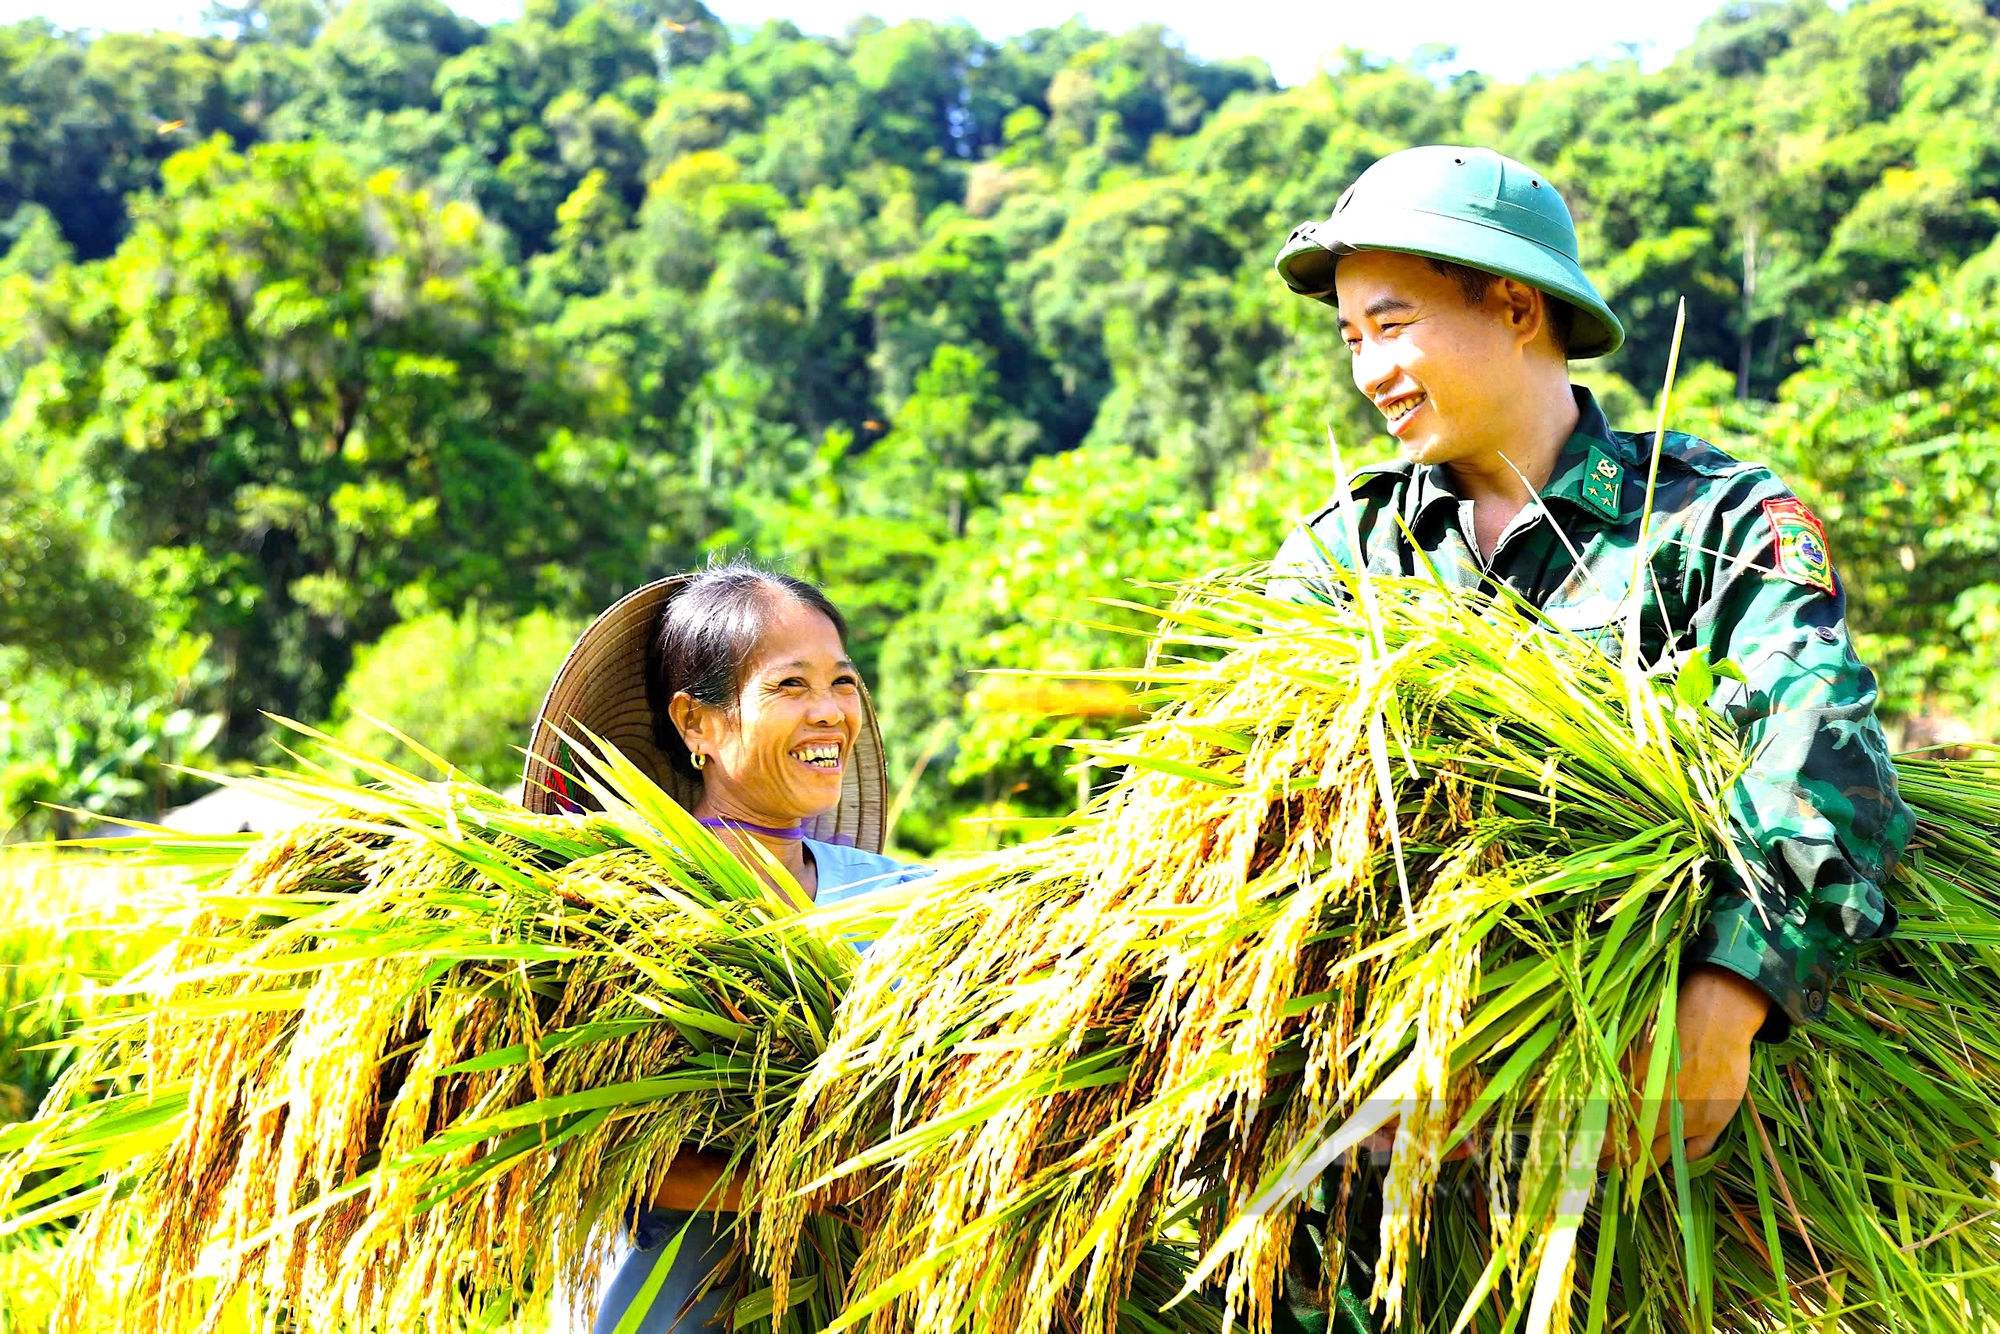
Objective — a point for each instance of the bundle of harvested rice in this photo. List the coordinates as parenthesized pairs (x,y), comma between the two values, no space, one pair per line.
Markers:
(412,1065)
(1403,855)
(415,1061)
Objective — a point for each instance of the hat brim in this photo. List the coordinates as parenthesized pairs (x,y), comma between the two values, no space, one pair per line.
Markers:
(1308,261)
(600,689)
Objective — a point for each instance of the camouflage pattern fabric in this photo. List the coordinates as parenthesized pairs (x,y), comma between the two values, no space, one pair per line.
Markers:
(1737,566)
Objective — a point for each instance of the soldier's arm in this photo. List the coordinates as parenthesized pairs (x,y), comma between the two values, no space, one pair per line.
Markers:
(1298,571)
(1817,814)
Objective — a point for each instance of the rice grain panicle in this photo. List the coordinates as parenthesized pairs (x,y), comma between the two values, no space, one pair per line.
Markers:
(1190,1011)
(411,1064)
(1396,859)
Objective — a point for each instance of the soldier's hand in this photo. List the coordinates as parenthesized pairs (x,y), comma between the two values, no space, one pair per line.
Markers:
(1717,1015)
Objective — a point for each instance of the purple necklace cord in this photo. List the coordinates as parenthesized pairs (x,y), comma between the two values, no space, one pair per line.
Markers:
(794,833)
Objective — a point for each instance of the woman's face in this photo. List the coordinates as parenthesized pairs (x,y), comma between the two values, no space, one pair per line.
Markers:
(779,757)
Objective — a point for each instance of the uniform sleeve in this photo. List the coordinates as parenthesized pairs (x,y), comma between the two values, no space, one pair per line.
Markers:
(1818,810)
(1297,571)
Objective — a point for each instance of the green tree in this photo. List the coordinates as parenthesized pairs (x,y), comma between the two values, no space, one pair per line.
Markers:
(465,686)
(855,530)
(954,447)
(59,606)
(1892,430)
(376,57)
(318,399)
(83,123)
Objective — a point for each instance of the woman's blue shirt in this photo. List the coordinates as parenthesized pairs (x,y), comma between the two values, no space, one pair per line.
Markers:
(843,873)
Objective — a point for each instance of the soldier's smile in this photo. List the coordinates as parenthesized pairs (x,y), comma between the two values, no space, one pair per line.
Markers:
(1401,409)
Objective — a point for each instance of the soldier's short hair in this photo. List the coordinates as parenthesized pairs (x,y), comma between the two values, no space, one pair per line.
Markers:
(1474,284)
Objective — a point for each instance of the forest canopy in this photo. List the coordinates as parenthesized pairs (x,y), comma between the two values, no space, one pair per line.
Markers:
(345,353)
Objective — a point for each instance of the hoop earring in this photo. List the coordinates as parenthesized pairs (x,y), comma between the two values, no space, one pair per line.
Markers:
(698,760)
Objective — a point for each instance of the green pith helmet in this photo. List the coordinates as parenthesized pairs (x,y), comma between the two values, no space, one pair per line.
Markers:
(1467,205)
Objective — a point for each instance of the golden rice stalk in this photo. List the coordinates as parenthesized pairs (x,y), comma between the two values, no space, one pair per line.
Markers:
(1399,858)
(416,1061)
(412,1065)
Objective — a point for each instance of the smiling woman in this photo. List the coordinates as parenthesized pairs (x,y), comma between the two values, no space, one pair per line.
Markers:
(733,688)
(753,696)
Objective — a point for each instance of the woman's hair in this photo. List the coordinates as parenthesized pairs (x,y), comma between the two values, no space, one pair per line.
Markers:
(704,637)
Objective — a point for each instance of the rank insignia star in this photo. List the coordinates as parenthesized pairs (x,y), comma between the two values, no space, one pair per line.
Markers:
(1601,476)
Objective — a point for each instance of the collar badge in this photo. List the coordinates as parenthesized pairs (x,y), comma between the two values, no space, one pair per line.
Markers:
(1602,476)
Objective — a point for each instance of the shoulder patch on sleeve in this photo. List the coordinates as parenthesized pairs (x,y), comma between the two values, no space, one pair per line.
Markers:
(1799,544)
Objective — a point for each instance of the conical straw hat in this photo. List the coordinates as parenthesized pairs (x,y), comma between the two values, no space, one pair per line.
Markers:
(601,690)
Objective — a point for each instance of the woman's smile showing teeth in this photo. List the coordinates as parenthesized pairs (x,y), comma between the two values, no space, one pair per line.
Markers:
(823,755)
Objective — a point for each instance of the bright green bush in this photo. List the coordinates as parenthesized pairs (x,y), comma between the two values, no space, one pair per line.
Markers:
(466,686)
(1892,431)
(77,749)
(1024,592)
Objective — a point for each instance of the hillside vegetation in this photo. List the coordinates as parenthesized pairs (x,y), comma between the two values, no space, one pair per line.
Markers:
(351,356)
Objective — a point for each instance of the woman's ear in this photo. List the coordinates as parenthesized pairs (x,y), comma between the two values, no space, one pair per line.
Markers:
(692,719)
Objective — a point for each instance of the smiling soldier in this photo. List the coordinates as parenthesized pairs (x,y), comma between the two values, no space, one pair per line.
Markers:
(1454,273)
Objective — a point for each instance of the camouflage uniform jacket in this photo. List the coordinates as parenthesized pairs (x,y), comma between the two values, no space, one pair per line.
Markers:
(1740,568)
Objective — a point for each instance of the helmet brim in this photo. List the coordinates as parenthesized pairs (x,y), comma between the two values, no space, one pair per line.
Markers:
(1309,258)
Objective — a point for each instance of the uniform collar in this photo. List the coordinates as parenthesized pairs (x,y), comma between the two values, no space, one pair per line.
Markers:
(1580,468)
(1434,487)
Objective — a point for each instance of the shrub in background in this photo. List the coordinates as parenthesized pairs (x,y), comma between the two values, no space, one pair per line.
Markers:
(467,685)
(76,748)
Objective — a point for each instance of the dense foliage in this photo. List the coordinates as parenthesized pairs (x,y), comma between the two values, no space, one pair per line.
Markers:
(326,321)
